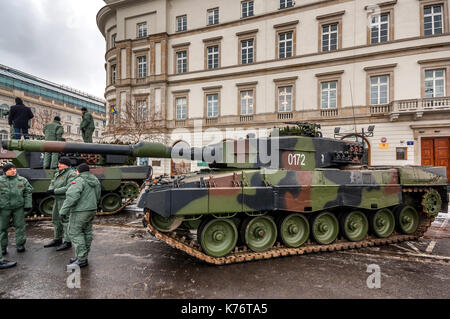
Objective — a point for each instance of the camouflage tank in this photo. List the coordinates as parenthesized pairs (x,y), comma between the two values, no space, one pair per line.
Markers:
(121,183)
(291,193)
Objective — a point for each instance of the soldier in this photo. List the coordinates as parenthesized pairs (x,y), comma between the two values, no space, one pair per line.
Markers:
(58,186)
(80,206)
(15,196)
(53,131)
(87,125)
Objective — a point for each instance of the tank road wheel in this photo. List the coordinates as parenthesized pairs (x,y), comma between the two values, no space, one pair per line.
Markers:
(259,233)
(382,223)
(46,206)
(325,228)
(294,230)
(165,224)
(407,219)
(110,202)
(431,202)
(218,237)
(354,225)
(129,190)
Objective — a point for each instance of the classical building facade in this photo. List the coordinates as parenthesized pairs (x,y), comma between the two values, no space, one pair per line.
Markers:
(47,100)
(347,64)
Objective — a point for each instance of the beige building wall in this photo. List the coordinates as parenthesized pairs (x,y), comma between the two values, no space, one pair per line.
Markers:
(407,117)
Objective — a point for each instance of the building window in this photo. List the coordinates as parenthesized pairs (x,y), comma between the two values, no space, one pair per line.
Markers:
(330,37)
(434,83)
(181,108)
(113,74)
(212,57)
(286,4)
(329,94)
(142,30)
(141,109)
(285,45)
(247,51)
(379,28)
(247,102)
(401,153)
(96,133)
(182,23)
(212,105)
(285,99)
(68,118)
(181,61)
(379,90)
(68,129)
(213,16)
(78,131)
(142,66)
(247,9)
(113,40)
(3,135)
(4,111)
(433,19)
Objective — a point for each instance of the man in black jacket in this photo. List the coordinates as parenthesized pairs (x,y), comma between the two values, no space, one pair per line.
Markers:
(19,115)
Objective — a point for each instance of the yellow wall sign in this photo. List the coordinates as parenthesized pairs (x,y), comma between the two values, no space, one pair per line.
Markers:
(384,146)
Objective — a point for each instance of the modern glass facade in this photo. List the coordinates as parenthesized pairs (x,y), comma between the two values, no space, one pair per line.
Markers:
(20,81)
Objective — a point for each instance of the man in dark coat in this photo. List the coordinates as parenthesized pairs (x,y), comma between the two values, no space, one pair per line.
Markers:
(18,117)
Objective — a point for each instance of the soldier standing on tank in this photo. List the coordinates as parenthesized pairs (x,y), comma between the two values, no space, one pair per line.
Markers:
(19,118)
(87,126)
(80,205)
(15,197)
(58,187)
(53,131)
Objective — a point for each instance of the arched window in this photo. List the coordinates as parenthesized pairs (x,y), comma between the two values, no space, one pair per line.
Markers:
(4,111)
(3,135)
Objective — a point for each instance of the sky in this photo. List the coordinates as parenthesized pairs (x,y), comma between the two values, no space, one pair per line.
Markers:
(56,40)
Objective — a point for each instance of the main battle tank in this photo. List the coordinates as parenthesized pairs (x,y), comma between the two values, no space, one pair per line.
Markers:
(291,193)
(121,183)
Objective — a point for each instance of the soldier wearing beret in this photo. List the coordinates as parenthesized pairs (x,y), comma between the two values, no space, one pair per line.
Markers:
(80,205)
(58,187)
(15,197)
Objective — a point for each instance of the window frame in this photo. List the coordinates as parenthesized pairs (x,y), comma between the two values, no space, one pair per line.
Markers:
(138,30)
(329,19)
(434,79)
(381,70)
(208,16)
(335,76)
(435,64)
(139,113)
(113,40)
(445,23)
(249,13)
(113,70)
(284,28)
(282,83)
(246,87)
(183,60)
(212,42)
(138,75)
(184,23)
(405,152)
(285,4)
(207,91)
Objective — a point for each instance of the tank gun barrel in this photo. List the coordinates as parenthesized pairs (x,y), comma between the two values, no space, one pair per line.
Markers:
(142,149)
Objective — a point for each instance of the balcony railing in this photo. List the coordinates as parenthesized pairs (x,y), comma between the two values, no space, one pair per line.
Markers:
(380,109)
(246,118)
(329,113)
(285,116)
(211,120)
(421,104)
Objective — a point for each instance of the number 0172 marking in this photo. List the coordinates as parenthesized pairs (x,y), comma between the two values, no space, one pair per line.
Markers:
(296,159)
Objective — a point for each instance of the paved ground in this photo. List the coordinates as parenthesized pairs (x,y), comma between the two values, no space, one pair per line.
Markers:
(127,262)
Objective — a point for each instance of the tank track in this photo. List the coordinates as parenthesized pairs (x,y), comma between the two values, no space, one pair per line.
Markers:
(99,213)
(243,254)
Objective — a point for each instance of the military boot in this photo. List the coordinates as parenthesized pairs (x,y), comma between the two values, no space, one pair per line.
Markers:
(64,246)
(53,243)
(20,248)
(7,264)
(4,251)
(80,263)
(73,259)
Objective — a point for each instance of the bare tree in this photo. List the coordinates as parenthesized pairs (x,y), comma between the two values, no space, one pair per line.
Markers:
(134,123)
(41,118)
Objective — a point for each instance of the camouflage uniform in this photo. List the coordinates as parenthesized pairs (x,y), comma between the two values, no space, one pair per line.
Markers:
(81,203)
(53,132)
(15,196)
(87,127)
(60,184)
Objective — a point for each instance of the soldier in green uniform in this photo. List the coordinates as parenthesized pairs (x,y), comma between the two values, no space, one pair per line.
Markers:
(53,131)
(58,186)
(15,197)
(81,206)
(87,125)
(5,263)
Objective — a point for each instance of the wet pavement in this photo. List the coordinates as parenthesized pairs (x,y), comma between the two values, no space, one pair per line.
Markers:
(127,262)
